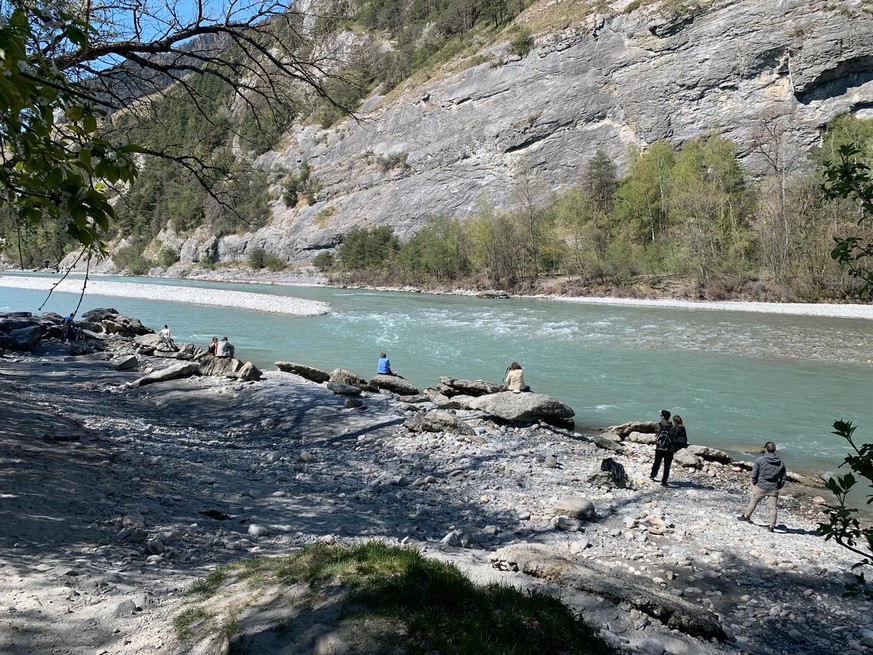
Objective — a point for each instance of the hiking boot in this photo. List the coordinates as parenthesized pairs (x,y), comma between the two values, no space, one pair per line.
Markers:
(770,528)
(743,517)
(664,484)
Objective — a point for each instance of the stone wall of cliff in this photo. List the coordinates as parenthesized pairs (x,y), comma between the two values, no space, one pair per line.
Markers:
(743,67)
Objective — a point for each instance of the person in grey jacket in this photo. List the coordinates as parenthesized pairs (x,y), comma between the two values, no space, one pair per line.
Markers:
(768,477)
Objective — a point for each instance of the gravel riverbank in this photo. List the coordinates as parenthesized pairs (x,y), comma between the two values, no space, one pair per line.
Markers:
(114,500)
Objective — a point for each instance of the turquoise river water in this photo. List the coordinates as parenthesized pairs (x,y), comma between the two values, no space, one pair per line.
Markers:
(737,378)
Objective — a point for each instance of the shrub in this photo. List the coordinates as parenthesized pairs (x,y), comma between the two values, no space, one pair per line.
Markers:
(131,260)
(522,41)
(273,262)
(258,258)
(324,261)
(167,257)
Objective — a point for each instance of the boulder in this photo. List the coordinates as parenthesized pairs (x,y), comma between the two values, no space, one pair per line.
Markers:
(709,454)
(625,429)
(100,314)
(124,326)
(17,320)
(344,389)
(249,372)
(342,376)
(687,459)
(394,384)
(23,338)
(604,442)
(575,507)
(228,367)
(443,401)
(641,437)
(523,407)
(183,370)
(443,421)
(451,387)
(304,371)
(223,367)
(128,363)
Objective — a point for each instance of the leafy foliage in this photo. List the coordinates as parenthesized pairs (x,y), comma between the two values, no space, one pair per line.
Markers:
(522,41)
(85,89)
(850,177)
(368,249)
(55,164)
(843,525)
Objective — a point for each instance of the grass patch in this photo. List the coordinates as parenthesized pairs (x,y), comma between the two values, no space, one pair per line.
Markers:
(186,619)
(395,598)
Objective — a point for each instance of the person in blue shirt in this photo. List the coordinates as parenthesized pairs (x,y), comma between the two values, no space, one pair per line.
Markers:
(383,367)
(69,327)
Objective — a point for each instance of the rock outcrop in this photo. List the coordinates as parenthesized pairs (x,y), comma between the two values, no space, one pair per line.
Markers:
(749,68)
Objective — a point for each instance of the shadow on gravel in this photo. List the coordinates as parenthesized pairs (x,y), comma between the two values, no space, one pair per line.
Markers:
(288,456)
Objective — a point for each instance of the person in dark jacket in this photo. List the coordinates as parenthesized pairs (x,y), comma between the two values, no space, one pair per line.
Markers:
(768,477)
(680,436)
(664,455)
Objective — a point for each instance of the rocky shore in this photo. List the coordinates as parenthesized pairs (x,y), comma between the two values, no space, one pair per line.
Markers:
(115,496)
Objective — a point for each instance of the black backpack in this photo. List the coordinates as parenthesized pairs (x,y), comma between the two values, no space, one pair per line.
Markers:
(664,441)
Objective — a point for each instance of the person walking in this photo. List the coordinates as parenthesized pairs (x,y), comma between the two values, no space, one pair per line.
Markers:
(663,448)
(768,477)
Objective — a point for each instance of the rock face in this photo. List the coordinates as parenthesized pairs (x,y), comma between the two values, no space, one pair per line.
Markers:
(607,81)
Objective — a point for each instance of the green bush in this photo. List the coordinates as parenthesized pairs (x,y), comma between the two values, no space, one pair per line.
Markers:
(273,262)
(258,258)
(522,41)
(300,183)
(131,260)
(324,261)
(368,249)
(206,262)
(167,257)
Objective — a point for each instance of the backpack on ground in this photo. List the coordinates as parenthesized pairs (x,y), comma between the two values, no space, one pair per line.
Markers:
(615,471)
(664,441)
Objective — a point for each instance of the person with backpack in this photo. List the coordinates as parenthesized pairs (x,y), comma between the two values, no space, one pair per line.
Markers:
(663,448)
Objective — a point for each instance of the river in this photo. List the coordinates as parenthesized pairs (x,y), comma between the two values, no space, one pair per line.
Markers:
(737,378)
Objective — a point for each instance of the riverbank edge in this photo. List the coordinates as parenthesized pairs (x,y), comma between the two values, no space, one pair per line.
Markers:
(848,310)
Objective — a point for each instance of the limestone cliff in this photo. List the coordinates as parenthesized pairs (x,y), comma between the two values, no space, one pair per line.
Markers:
(614,80)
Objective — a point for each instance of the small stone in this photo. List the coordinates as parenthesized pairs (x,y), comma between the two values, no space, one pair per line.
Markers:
(257,530)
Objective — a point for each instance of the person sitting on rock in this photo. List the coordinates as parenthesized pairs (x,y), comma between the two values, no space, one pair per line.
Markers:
(165,340)
(213,347)
(515,379)
(383,366)
(224,348)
